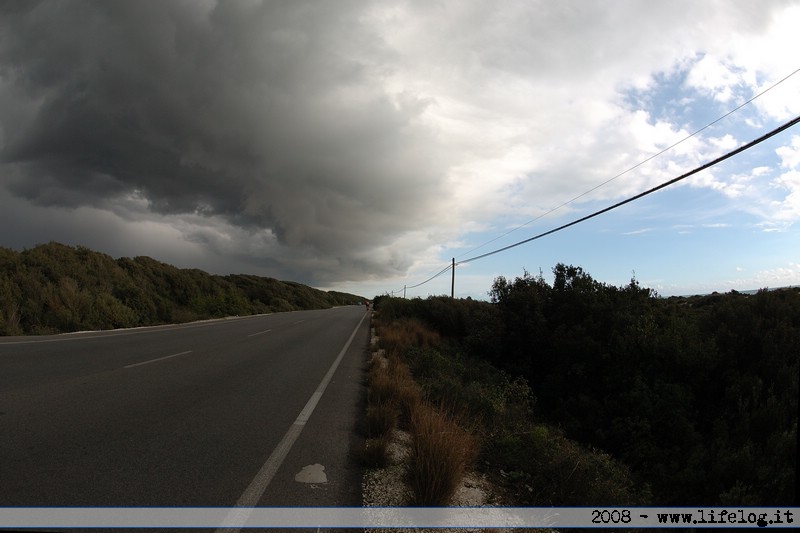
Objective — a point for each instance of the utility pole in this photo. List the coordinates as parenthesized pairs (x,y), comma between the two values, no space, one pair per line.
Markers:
(404,292)
(453,281)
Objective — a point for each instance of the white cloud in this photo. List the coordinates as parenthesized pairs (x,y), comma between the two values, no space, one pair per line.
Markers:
(726,143)
(732,186)
(790,154)
(772,278)
(788,209)
(765,58)
(786,276)
(718,78)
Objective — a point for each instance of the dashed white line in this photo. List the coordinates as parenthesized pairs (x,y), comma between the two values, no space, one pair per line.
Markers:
(259,333)
(158,359)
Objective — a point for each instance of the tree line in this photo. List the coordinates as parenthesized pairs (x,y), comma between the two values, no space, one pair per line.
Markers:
(54,288)
(696,395)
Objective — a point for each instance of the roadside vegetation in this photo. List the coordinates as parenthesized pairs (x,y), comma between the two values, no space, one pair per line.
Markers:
(462,413)
(54,288)
(441,448)
(582,393)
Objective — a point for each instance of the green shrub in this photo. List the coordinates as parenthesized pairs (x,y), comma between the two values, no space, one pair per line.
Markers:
(548,469)
(279,305)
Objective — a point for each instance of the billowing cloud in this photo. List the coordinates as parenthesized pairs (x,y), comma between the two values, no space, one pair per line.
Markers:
(258,116)
(339,141)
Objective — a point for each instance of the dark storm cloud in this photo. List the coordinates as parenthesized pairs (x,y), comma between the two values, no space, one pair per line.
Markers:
(352,140)
(261,115)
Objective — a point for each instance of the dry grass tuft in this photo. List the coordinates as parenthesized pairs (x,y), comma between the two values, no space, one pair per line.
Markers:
(376,451)
(406,392)
(381,386)
(441,451)
(391,396)
(381,418)
(402,334)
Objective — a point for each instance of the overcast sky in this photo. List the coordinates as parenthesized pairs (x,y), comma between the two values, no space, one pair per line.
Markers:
(360,145)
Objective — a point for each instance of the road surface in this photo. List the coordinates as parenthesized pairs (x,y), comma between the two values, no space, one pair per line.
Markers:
(203,414)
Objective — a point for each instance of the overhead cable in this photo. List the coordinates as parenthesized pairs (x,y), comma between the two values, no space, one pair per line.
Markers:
(716,161)
(705,166)
(445,269)
(637,165)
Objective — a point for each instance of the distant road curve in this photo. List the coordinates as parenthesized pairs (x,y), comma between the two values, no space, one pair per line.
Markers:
(186,415)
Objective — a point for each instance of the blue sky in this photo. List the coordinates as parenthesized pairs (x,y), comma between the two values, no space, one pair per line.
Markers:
(731,228)
(686,239)
(359,146)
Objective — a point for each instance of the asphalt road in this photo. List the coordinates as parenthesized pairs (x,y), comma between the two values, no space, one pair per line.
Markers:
(188,415)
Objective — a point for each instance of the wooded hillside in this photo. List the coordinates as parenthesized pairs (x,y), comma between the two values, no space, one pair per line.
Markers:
(54,288)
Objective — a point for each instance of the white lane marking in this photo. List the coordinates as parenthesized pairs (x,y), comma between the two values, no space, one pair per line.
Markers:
(157,359)
(298,322)
(237,517)
(259,333)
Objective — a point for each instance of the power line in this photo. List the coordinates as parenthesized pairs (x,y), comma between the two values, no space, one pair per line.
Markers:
(433,277)
(716,161)
(445,269)
(637,165)
(705,166)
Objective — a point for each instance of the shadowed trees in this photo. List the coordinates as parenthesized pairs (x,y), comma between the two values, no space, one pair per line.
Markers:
(54,288)
(698,396)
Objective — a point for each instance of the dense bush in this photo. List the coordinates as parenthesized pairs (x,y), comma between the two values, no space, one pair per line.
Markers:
(494,412)
(697,396)
(55,288)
